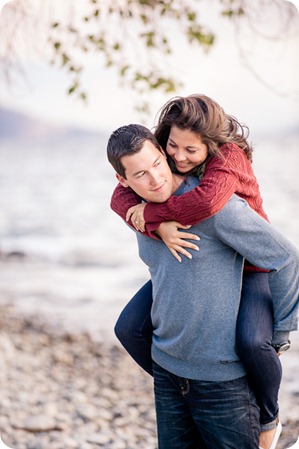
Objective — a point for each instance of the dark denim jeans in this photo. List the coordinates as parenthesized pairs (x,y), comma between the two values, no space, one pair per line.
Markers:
(193,414)
(254,335)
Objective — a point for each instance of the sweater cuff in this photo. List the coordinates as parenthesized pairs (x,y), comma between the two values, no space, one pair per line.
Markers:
(280,337)
(151,228)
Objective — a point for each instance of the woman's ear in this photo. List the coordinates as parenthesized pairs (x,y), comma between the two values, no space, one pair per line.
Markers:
(122,180)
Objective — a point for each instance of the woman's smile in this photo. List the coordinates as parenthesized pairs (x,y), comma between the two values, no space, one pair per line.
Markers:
(186,149)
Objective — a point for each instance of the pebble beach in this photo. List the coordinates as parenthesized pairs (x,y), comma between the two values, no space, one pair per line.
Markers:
(68,391)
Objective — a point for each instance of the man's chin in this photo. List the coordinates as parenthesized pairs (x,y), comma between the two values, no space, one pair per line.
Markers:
(159,199)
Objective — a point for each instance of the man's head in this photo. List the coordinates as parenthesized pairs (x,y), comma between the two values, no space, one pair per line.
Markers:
(139,162)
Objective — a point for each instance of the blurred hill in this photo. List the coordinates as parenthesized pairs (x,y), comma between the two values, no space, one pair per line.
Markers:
(15,125)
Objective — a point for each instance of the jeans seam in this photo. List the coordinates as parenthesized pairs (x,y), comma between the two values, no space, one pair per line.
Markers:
(251,417)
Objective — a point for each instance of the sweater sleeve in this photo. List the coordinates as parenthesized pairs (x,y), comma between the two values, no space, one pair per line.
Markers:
(241,228)
(216,187)
(122,199)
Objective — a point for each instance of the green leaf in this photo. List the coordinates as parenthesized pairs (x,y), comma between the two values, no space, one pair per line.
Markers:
(65,59)
(194,33)
(149,38)
(123,70)
(73,88)
(83,96)
(144,19)
(191,16)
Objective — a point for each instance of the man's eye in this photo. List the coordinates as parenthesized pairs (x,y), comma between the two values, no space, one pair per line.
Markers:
(157,163)
(140,175)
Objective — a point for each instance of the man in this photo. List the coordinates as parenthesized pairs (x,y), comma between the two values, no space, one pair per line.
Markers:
(202,396)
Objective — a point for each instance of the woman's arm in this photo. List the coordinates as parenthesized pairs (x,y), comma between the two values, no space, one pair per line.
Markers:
(216,187)
(122,199)
(221,179)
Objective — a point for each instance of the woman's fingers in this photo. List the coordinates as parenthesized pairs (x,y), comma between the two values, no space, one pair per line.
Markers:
(135,214)
(185,243)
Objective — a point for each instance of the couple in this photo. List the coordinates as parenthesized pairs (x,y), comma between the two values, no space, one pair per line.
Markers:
(203,399)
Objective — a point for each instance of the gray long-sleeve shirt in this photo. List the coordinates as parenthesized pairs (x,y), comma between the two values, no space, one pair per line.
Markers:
(196,302)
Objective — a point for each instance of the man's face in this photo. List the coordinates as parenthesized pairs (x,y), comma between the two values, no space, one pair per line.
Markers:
(148,174)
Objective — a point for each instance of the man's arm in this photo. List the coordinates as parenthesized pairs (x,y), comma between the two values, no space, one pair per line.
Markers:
(261,244)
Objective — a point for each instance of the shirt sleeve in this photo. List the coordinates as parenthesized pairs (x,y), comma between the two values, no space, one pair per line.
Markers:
(261,244)
(219,182)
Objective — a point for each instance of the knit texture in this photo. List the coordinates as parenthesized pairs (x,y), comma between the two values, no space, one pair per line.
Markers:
(231,173)
(224,175)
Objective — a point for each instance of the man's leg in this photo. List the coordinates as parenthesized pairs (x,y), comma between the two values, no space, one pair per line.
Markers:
(176,428)
(226,413)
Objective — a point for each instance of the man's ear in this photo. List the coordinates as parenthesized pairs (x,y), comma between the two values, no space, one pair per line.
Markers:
(122,180)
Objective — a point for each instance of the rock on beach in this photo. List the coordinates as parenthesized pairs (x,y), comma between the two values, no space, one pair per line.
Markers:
(67,391)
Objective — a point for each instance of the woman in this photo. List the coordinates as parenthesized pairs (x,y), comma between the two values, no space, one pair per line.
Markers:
(186,127)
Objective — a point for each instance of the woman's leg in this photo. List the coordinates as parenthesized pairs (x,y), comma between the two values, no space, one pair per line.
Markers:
(254,337)
(134,327)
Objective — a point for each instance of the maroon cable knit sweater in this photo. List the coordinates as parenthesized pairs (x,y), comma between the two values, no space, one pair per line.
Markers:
(223,176)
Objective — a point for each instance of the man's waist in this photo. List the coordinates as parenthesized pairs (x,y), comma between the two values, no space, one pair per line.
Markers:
(213,369)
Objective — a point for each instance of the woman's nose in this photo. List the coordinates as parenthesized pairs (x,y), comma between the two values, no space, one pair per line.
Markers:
(179,156)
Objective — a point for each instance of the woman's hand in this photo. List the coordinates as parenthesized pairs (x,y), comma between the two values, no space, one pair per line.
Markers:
(174,239)
(135,214)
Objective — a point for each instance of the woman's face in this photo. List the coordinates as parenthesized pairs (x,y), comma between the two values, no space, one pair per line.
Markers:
(186,149)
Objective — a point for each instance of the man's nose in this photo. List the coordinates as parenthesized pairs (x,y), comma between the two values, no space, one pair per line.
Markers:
(154,178)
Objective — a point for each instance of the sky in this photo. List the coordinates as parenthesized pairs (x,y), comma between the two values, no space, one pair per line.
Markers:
(254,78)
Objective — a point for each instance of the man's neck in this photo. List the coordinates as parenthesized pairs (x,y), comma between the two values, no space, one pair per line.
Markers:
(177,181)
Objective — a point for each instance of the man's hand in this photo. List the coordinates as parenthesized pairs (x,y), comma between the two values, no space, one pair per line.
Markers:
(135,214)
(174,239)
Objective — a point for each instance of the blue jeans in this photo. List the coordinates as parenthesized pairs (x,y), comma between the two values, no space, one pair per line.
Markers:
(254,335)
(193,414)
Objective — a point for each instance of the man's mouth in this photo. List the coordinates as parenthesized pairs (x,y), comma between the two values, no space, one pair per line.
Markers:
(159,188)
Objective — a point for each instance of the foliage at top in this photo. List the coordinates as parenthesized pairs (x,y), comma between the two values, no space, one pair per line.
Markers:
(131,36)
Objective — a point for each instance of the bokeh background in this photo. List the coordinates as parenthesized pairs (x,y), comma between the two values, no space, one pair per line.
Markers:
(63,253)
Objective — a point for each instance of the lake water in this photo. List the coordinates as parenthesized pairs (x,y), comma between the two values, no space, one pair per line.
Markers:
(66,255)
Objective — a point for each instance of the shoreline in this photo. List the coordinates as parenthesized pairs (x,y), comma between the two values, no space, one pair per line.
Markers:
(64,390)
